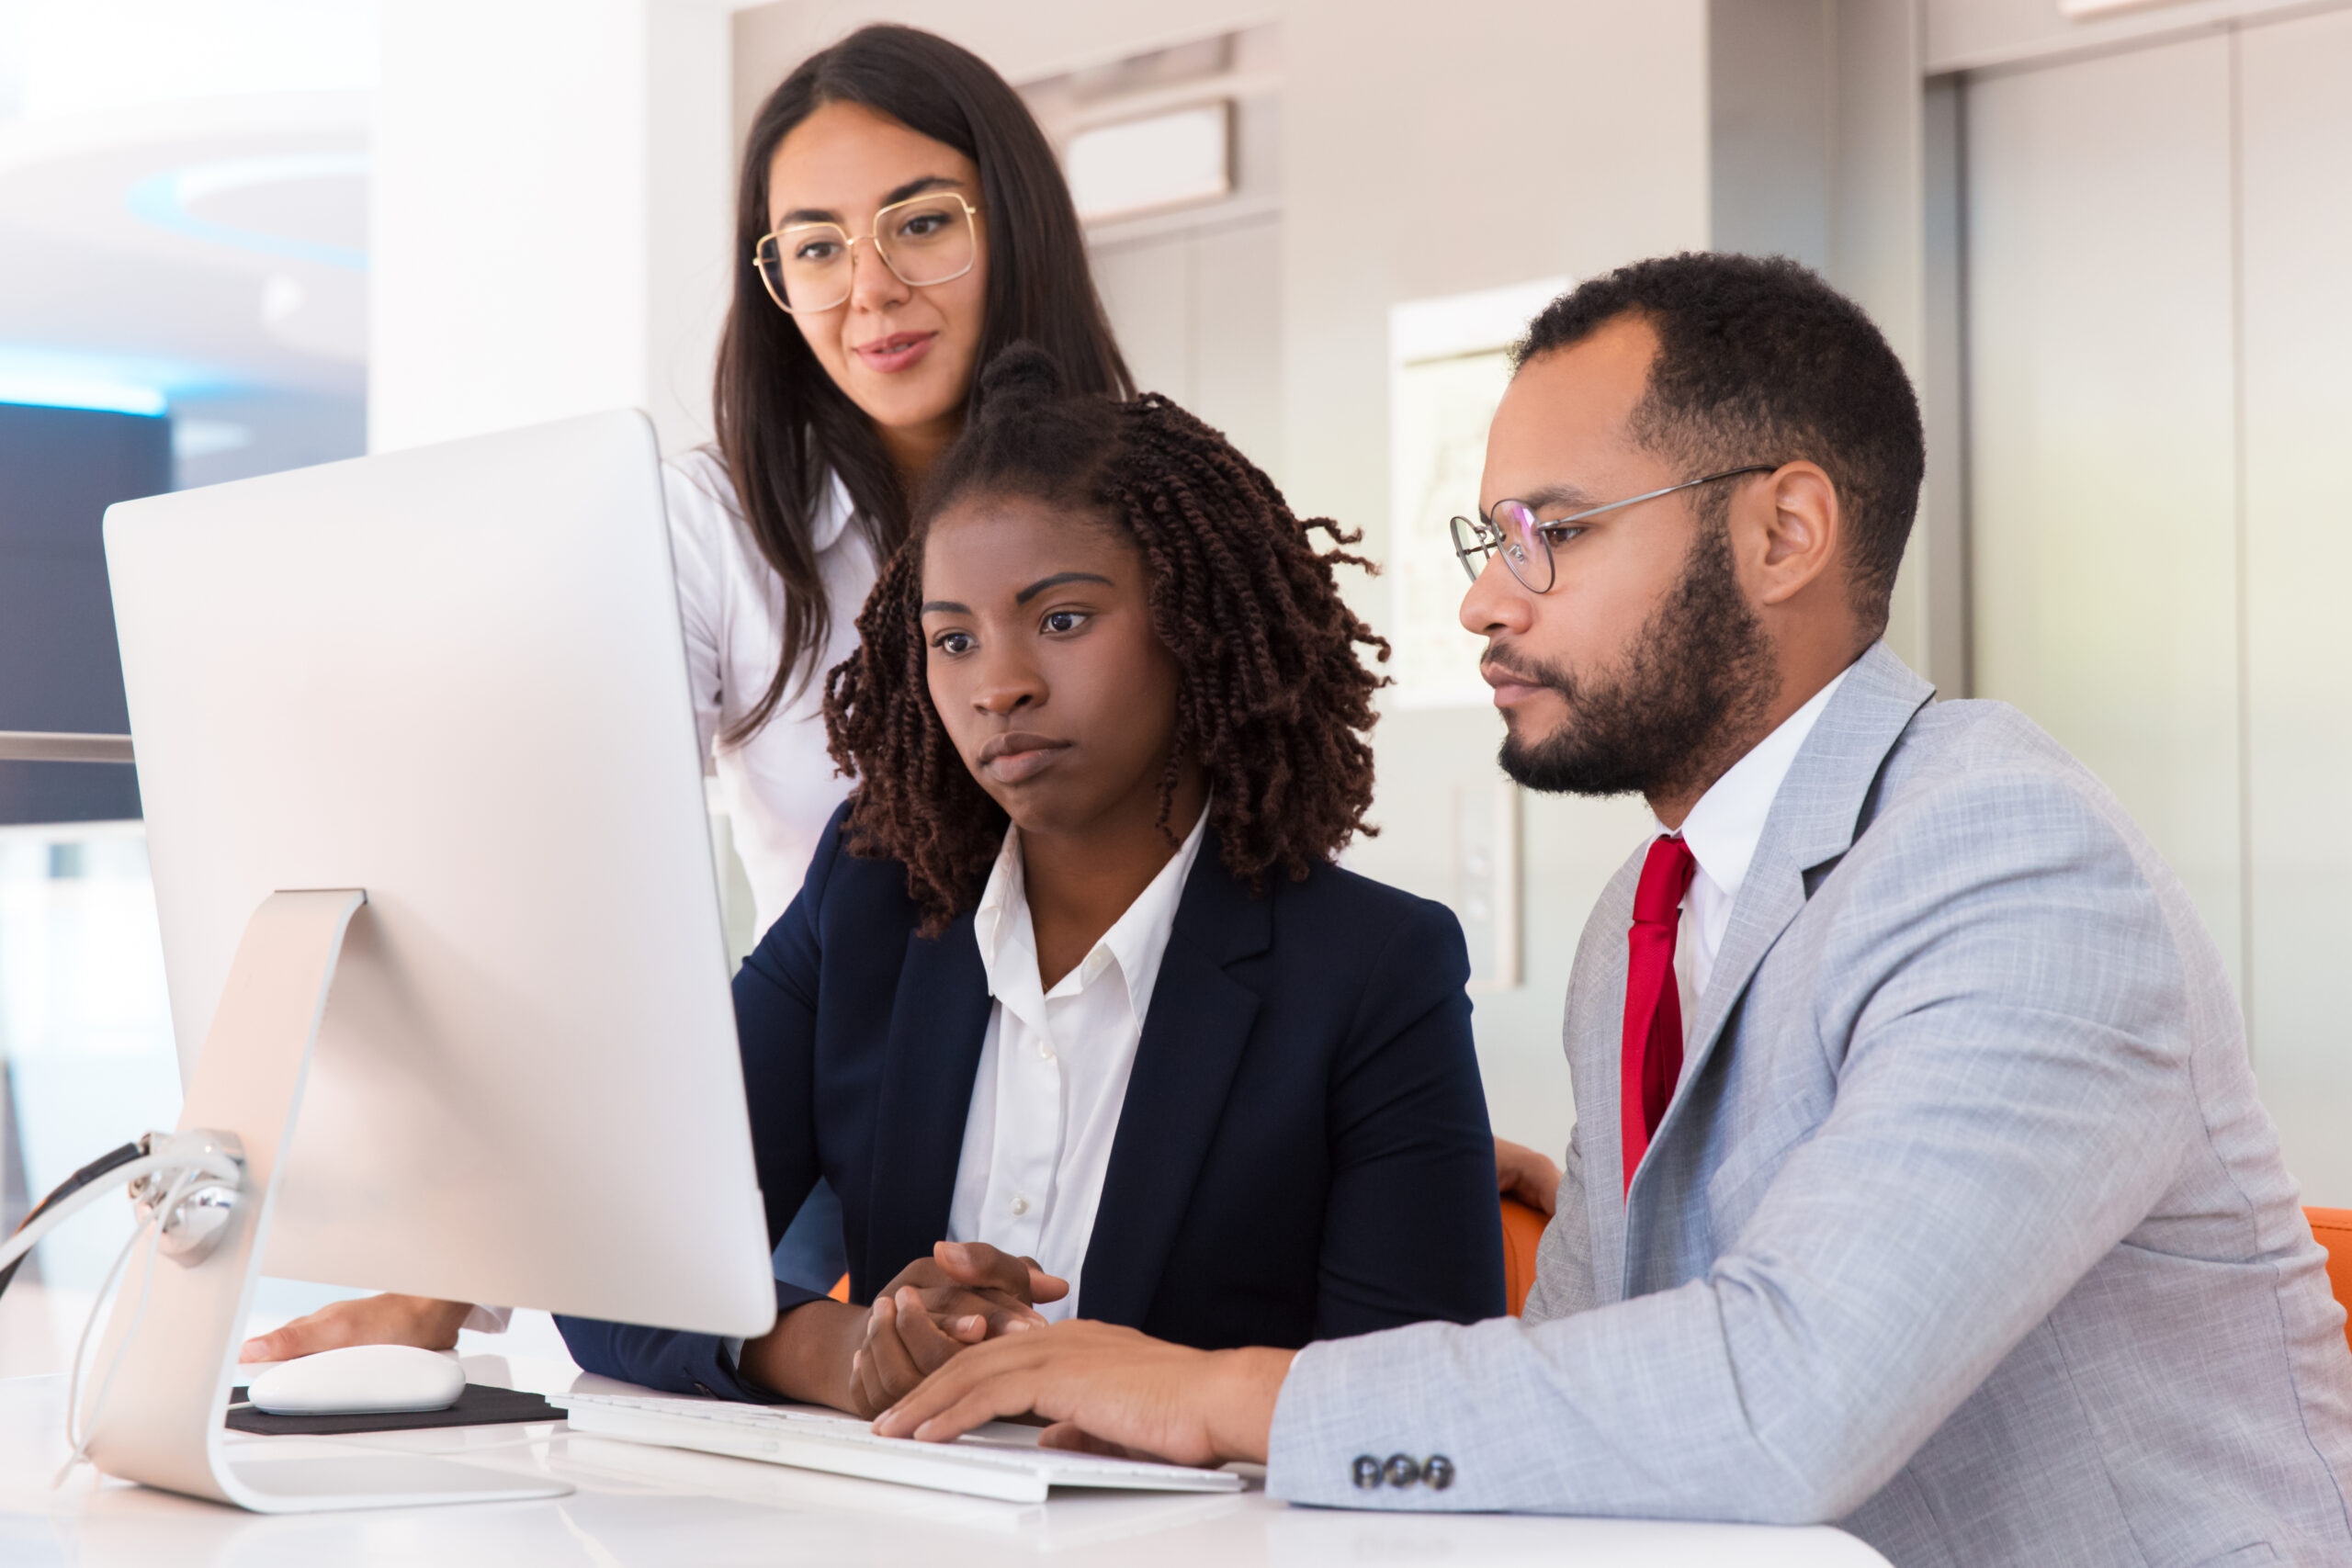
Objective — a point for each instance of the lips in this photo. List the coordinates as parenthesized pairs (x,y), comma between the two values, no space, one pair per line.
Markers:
(896,352)
(1511,688)
(1013,757)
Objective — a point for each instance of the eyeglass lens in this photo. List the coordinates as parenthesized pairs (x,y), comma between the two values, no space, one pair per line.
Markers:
(1513,530)
(925,241)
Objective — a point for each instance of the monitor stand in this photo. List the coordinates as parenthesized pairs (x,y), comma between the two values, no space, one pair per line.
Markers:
(160,1423)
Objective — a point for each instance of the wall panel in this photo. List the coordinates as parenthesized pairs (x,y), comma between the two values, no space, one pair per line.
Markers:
(2296,150)
(2102,466)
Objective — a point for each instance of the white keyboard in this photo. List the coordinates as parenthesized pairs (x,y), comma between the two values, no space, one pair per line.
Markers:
(1011,1468)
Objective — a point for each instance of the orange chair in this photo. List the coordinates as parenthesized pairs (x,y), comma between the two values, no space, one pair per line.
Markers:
(1522,1230)
(2332,1227)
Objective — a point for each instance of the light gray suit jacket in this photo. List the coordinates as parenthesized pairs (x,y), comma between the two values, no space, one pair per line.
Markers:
(1965,1228)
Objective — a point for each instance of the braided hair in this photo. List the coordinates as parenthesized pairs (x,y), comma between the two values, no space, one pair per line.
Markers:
(1273,701)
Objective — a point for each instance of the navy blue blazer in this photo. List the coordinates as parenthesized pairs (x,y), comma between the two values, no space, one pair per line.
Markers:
(1303,1152)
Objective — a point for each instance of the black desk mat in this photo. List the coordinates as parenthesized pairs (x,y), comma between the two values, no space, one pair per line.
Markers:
(480,1406)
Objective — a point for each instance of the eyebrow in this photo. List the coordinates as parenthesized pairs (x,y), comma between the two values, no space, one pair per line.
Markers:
(1574,496)
(1057,581)
(898,193)
(946,607)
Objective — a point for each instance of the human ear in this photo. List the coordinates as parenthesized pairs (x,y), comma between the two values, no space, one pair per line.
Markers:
(1795,529)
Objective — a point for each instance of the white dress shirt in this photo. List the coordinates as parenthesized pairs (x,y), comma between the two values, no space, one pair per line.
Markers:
(777,787)
(1054,1068)
(1723,830)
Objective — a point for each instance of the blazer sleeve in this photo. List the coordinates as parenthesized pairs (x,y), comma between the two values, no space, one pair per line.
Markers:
(775,1024)
(1564,1260)
(1412,1157)
(2012,1102)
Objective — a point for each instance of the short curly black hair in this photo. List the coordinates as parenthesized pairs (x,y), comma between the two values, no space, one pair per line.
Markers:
(1760,361)
(1273,700)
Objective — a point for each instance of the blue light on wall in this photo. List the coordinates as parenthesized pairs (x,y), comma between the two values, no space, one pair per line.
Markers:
(85,379)
(164,199)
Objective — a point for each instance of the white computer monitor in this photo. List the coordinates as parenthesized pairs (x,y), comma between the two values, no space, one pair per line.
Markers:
(452,678)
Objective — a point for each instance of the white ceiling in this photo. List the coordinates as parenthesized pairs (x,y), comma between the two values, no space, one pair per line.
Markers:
(183,197)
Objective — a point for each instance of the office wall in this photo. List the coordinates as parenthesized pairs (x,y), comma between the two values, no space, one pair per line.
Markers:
(60,469)
(2154,240)
(2294,98)
(1969,35)
(1432,149)
(549,215)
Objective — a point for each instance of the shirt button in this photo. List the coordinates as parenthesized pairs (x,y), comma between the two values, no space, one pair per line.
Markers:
(1438,1471)
(1366,1471)
(1019,1206)
(1403,1470)
(1045,1052)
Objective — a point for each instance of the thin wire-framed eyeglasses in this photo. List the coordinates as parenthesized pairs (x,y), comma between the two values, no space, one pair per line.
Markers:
(924,240)
(1526,543)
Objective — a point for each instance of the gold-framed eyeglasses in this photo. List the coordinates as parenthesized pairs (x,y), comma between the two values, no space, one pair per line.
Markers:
(1526,540)
(924,240)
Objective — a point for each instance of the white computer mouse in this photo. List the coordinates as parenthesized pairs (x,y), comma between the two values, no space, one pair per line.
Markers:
(361,1380)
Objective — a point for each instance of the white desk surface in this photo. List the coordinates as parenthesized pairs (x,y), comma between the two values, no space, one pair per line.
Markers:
(638,1506)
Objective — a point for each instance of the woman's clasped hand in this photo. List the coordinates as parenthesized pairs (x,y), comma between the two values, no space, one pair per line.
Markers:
(963,1294)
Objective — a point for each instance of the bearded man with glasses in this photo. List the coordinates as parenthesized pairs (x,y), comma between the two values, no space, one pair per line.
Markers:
(1920,1181)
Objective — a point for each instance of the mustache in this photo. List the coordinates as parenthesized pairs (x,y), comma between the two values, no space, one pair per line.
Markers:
(1521,672)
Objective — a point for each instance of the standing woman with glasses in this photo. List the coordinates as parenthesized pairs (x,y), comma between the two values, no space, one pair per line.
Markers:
(900,217)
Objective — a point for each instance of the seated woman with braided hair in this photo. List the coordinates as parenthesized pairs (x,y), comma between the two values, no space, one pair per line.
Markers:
(1074,1011)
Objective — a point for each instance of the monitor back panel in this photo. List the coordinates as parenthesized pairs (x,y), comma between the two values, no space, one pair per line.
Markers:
(454,677)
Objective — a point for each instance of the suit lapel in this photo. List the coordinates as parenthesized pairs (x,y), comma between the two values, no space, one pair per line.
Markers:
(1813,821)
(1190,1047)
(937,1025)
(1594,1030)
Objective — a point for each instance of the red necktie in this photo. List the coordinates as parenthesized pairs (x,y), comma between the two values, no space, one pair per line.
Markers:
(1653,1040)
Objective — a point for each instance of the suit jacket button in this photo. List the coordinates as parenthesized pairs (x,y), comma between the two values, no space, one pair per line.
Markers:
(1402,1469)
(1367,1473)
(1438,1471)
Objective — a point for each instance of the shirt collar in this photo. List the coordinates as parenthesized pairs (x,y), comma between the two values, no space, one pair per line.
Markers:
(1136,940)
(1727,824)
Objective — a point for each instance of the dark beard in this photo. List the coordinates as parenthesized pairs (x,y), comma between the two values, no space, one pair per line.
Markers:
(1698,679)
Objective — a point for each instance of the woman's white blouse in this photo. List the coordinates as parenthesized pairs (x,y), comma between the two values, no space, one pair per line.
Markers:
(778,787)
(1054,1069)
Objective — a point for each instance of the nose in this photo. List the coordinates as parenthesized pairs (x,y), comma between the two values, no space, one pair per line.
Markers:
(872,285)
(1497,605)
(1008,684)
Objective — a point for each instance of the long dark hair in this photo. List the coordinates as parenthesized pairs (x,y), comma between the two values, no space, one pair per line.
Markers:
(783,425)
(1275,701)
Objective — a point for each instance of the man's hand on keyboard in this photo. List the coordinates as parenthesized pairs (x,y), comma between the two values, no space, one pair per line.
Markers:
(1107,1390)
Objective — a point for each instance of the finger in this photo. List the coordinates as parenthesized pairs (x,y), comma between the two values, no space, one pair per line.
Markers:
(983,1383)
(926,1344)
(894,1369)
(923,1274)
(976,1264)
(980,1314)
(1044,1287)
(326,1329)
(863,1391)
